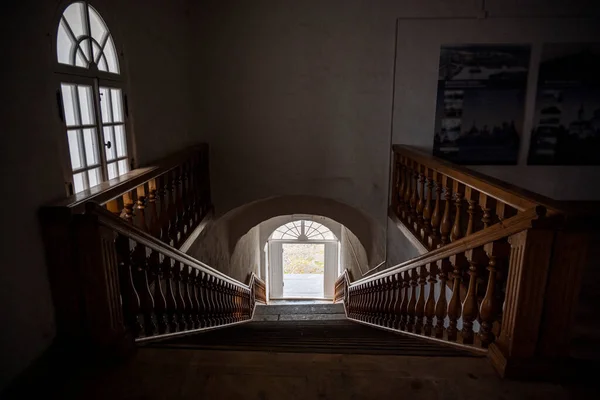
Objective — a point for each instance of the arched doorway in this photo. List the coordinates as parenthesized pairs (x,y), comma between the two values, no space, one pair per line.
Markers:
(303,261)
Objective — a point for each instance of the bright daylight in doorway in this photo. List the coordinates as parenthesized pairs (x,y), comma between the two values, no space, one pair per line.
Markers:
(303,269)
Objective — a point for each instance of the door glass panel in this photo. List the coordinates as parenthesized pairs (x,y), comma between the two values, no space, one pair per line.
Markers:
(64,45)
(110,149)
(69,106)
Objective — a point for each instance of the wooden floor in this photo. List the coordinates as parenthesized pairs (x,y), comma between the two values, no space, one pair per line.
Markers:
(162,373)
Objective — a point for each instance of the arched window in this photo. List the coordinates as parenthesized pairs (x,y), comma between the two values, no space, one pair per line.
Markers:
(303,230)
(93,105)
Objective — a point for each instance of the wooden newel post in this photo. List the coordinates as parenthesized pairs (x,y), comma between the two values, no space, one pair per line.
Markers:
(99,269)
(513,353)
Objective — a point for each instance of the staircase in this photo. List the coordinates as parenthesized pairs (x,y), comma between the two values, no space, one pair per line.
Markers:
(310,328)
(299,311)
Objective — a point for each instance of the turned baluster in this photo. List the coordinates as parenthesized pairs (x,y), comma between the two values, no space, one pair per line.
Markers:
(457,231)
(210,296)
(412,303)
(446,223)
(179,205)
(441,307)
(127,213)
(129,294)
(470,309)
(370,300)
(140,264)
(471,198)
(419,224)
(500,210)
(113,207)
(400,186)
(172,208)
(187,296)
(420,307)
(436,216)
(160,302)
(430,305)
(427,211)
(220,311)
(407,190)
(360,302)
(163,214)
(195,293)
(388,301)
(154,224)
(384,296)
(204,300)
(140,207)
(397,301)
(405,300)
(490,305)
(391,302)
(179,297)
(414,196)
(487,204)
(459,262)
(230,304)
(168,271)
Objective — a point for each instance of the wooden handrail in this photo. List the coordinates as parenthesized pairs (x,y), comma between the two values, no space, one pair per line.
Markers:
(112,189)
(514,196)
(504,229)
(117,224)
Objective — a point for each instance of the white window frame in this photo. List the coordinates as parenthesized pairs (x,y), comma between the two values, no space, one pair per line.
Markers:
(92,76)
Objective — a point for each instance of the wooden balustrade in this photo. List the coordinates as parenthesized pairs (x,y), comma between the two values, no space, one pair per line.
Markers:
(163,291)
(113,261)
(440,203)
(471,292)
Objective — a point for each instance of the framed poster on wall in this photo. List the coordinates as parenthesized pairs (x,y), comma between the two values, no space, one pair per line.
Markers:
(481,103)
(566,126)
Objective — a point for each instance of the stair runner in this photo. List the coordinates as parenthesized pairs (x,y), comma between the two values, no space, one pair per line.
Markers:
(329,336)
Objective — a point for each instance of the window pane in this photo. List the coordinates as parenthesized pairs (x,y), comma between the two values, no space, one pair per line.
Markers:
(69,104)
(80,61)
(75,149)
(86,105)
(109,137)
(117,105)
(102,64)
(123,167)
(91,147)
(94,177)
(78,182)
(120,141)
(64,45)
(112,170)
(105,104)
(111,56)
(97,25)
(75,17)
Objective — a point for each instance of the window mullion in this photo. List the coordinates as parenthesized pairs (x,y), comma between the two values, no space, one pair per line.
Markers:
(100,131)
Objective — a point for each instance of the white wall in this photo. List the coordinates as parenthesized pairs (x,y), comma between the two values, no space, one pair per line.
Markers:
(419,44)
(153,36)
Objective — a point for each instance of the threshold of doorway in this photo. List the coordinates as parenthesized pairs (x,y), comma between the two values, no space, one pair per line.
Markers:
(288,300)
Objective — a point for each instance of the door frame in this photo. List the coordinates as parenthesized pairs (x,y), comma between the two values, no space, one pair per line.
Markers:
(275,267)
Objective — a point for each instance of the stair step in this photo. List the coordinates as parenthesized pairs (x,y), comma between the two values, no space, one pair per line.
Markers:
(312,336)
(299,309)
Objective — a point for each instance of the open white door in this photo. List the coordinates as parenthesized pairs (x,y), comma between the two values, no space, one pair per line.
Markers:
(331,266)
(276,270)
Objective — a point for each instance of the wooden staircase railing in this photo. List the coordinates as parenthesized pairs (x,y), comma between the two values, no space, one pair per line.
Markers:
(154,291)
(114,264)
(502,273)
